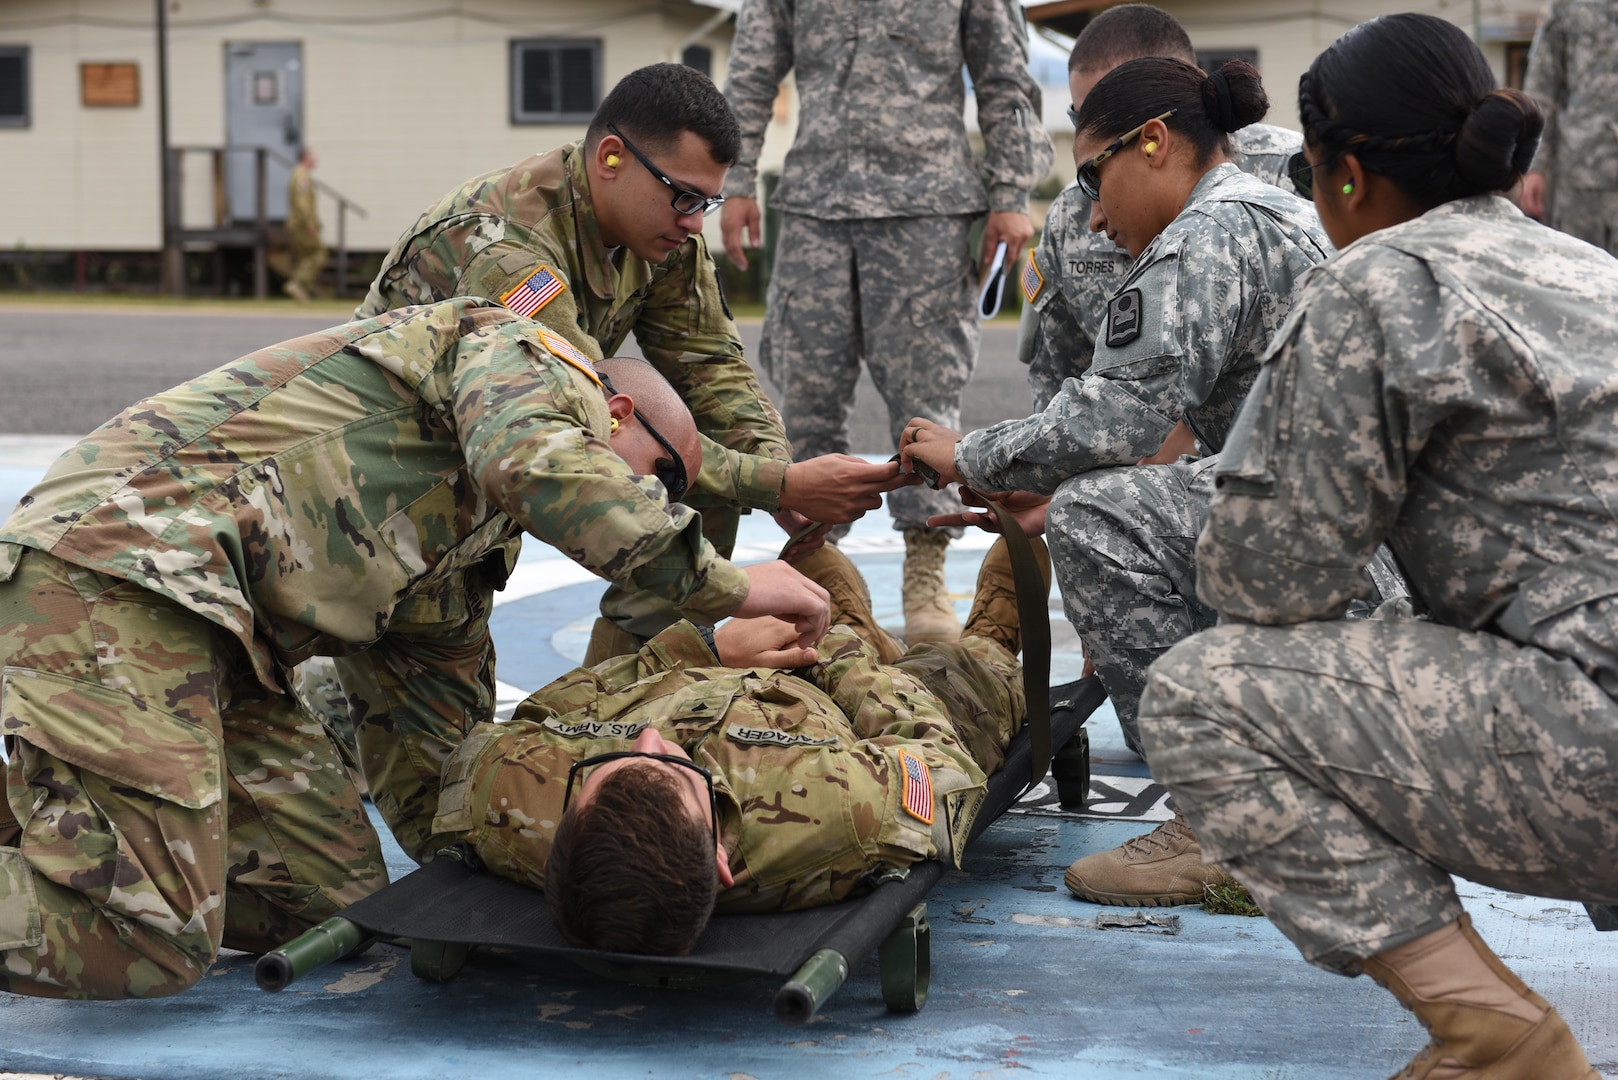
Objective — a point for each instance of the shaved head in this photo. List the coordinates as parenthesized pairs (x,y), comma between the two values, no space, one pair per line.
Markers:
(659,402)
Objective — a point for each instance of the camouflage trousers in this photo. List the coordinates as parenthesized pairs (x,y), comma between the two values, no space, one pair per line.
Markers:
(1590,215)
(979,685)
(1344,770)
(1123,548)
(159,801)
(897,293)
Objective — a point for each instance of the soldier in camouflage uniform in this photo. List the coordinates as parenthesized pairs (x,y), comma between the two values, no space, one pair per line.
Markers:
(1446,385)
(879,194)
(1074,271)
(821,775)
(307,256)
(1573,75)
(352,489)
(584,239)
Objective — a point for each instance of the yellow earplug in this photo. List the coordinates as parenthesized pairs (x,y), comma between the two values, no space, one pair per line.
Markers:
(1150,148)
(613,160)
(614,425)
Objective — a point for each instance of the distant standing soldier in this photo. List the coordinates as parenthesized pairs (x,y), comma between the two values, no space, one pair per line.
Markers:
(1573,76)
(303,230)
(880,194)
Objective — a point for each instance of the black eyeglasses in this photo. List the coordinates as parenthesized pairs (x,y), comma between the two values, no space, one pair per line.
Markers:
(1303,175)
(685,202)
(618,755)
(1089,176)
(670,471)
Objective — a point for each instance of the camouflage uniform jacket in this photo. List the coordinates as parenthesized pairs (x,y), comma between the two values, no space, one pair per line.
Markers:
(880,128)
(490,236)
(806,765)
(1573,75)
(1446,385)
(1076,271)
(301,496)
(1182,339)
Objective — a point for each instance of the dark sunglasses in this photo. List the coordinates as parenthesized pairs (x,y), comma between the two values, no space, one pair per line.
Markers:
(1303,175)
(617,755)
(1089,174)
(685,202)
(670,471)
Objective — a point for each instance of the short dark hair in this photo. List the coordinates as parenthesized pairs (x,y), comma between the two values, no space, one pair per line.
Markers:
(1129,32)
(1414,100)
(631,870)
(654,104)
(1206,107)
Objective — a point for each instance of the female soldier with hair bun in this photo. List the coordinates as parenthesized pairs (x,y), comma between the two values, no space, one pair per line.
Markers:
(1218,254)
(1445,384)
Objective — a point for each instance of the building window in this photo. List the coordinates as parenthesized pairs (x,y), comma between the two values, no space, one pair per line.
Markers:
(1210,59)
(555,82)
(13,86)
(699,57)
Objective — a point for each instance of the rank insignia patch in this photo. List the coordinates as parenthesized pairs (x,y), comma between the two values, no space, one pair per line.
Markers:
(1032,280)
(534,292)
(1123,318)
(918,795)
(563,349)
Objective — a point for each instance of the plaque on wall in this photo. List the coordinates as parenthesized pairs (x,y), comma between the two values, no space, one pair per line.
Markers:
(110,84)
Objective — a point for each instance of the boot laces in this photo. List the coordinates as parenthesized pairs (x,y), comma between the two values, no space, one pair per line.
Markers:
(1166,836)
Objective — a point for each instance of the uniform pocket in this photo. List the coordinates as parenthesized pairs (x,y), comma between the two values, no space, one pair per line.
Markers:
(19,904)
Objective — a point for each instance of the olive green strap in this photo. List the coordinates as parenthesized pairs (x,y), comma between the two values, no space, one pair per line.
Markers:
(1033,617)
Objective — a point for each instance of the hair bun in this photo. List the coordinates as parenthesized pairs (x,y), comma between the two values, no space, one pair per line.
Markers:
(1234,96)
(1496,143)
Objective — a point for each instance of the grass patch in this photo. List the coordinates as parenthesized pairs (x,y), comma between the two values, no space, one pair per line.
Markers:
(1229,897)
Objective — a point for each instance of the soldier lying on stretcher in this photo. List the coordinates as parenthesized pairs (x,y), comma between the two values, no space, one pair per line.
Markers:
(652,790)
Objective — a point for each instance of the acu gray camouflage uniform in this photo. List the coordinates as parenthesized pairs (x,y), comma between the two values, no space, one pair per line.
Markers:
(1573,75)
(1076,271)
(349,490)
(1447,386)
(879,193)
(1182,340)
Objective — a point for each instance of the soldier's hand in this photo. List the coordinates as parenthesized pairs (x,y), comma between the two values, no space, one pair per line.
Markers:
(1532,195)
(777,589)
(805,537)
(1025,507)
(1014,229)
(766,642)
(837,488)
(933,444)
(740,217)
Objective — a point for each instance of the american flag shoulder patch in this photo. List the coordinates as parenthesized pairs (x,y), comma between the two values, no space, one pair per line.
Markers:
(1032,280)
(918,793)
(534,292)
(564,350)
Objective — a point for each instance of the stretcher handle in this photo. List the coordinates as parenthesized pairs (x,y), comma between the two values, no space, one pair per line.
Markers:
(1034,619)
(818,979)
(331,940)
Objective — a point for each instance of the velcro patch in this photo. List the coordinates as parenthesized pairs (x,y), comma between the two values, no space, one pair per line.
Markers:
(1033,282)
(1124,318)
(918,793)
(564,350)
(534,292)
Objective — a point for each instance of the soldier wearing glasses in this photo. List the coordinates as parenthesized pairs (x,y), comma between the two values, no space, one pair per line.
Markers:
(602,238)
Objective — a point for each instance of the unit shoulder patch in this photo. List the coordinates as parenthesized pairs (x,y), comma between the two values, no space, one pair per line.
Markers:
(1124,318)
(533,292)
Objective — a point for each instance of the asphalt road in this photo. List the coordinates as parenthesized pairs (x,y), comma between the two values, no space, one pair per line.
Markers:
(65,371)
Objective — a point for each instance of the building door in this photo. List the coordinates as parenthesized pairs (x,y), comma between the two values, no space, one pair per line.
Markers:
(263,107)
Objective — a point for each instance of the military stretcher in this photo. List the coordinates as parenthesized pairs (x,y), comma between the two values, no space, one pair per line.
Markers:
(451,905)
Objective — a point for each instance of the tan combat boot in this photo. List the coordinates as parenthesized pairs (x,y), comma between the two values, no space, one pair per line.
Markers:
(608,640)
(1163,868)
(1484,1022)
(994,604)
(929,616)
(850,599)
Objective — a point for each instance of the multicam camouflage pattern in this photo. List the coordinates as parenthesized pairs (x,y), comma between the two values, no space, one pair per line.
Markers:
(805,768)
(355,489)
(1081,269)
(159,801)
(308,250)
(899,293)
(1573,75)
(1446,385)
(496,230)
(1214,286)
(880,126)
